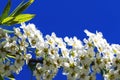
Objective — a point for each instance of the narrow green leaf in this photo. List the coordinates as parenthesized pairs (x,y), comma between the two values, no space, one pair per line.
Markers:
(10,56)
(8,31)
(1,78)
(17,8)
(21,8)
(31,1)
(11,77)
(6,10)
(23,18)
(6,20)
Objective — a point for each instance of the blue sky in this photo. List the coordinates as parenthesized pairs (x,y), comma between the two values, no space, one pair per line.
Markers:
(71,17)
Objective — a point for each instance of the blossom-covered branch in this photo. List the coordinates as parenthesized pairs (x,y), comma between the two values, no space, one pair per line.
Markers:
(80,60)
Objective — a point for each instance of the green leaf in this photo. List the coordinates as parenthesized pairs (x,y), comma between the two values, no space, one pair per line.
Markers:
(6,10)
(17,8)
(11,77)
(12,23)
(20,19)
(8,31)
(21,8)
(6,20)
(23,18)
(31,1)
(1,78)
(10,56)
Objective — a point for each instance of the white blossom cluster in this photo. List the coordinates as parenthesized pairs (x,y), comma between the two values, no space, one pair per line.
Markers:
(12,54)
(81,60)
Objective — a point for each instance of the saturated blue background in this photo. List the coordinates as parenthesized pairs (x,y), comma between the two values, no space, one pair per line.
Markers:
(70,18)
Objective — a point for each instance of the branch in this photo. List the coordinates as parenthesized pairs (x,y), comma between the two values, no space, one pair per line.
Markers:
(36,61)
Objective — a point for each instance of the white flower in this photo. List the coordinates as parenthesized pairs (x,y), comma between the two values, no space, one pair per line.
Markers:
(65,53)
(2,33)
(74,42)
(5,69)
(11,47)
(18,32)
(3,54)
(97,40)
(116,49)
(19,62)
(51,39)
(34,36)
(23,44)
(27,57)
(66,64)
(60,43)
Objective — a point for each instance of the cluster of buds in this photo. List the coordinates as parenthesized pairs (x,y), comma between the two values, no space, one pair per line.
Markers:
(80,60)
